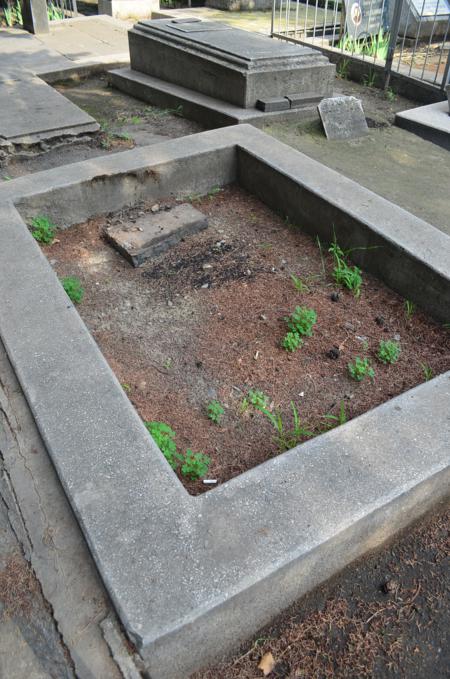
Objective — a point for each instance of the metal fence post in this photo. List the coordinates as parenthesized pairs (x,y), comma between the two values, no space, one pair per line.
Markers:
(446,76)
(392,42)
(35,17)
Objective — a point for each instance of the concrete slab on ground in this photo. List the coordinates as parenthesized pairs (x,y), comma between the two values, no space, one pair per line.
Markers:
(33,111)
(71,45)
(156,232)
(431,122)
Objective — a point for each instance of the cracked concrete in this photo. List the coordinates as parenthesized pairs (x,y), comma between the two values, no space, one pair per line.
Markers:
(38,527)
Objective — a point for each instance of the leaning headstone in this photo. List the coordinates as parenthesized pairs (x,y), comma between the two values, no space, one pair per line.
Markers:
(156,232)
(343,118)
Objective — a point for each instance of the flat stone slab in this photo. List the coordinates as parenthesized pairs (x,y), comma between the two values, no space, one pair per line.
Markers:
(227,63)
(431,122)
(343,118)
(156,232)
(32,111)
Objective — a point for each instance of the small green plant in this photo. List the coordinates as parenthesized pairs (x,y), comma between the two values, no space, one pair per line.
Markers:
(126,387)
(164,437)
(6,178)
(291,341)
(342,69)
(427,371)
(214,191)
(347,276)
(388,352)
(168,364)
(337,420)
(299,285)
(256,398)
(13,14)
(390,94)
(195,465)
(410,309)
(370,78)
(43,230)
(74,289)
(302,321)
(54,12)
(287,438)
(360,369)
(215,411)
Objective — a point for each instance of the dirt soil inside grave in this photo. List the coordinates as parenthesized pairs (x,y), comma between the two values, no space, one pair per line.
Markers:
(204,321)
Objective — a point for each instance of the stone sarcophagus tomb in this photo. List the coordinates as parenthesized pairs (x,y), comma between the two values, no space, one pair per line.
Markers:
(242,68)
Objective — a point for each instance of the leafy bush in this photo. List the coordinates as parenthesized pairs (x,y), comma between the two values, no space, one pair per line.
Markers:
(291,341)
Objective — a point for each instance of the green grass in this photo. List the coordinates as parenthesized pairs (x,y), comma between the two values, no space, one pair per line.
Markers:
(347,276)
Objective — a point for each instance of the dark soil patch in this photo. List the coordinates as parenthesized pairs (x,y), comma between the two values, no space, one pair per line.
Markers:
(204,321)
(385,616)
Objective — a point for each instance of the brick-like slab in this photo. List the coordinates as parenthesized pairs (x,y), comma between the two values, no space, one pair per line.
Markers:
(191,577)
(155,233)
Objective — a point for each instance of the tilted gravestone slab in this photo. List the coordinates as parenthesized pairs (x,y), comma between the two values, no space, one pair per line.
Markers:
(343,118)
(227,63)
(155,233)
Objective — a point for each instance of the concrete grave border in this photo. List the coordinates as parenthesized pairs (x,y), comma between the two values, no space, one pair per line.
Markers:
(191,577)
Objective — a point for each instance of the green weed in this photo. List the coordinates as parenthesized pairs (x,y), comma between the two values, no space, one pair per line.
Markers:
(256,398)
(291,341)
(390,94)
(388,351)
(215,411)
(195,465)
(302,321)
(214,191)
(369,79)
(410,309)
(43,230)
(299,285)
(342,69)
(347,276)
(340,418)
(427,372)
(360,369)
(164,437)
(73,288)
(287,438)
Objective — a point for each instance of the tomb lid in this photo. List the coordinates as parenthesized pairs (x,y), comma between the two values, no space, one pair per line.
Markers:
(230,43)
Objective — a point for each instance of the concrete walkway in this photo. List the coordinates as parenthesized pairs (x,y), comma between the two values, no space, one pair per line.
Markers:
(70,45)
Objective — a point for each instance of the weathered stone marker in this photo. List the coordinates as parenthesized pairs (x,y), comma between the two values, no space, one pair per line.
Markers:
(343,118)
(155,233)
(230,64)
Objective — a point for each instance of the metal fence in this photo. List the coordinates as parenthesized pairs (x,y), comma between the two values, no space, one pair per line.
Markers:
(408,37)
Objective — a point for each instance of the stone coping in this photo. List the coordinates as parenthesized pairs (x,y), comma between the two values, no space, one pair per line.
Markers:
(191,577)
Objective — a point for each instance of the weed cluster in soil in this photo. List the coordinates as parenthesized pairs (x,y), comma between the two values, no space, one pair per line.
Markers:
(205,321)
